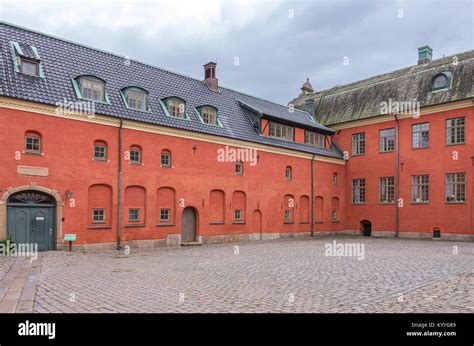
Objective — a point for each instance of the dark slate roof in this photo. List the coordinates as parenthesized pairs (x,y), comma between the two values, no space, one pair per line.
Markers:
(63,60)
(362,99)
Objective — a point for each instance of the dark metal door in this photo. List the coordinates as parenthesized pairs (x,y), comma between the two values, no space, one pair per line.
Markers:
(32,225)
(188,225)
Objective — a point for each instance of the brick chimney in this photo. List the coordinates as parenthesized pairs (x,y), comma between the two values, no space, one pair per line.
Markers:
(425,54)
(210,76)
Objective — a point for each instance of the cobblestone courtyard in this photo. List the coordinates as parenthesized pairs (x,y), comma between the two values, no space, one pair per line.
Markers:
(291,275)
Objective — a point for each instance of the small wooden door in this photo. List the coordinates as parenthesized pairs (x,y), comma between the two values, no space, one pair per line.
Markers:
(188,225)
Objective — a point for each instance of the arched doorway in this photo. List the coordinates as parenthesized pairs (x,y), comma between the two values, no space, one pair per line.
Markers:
(188,225)
(366,228)
(257,222)
(31,218)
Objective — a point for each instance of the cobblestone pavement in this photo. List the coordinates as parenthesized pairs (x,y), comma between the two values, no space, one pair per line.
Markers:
(291,275)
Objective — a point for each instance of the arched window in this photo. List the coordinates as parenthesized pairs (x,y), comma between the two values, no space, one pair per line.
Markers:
(440,81)
(135,98)
(100,205)
(135,155)
(288,173)
(239,206)
(165,160)
(165,205)
(208,115)
(90,88)
(135,204)
(217,207)
(304,209)
(32,142)
(100,151)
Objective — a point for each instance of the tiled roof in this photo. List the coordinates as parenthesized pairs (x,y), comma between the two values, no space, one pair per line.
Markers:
(63,60)
(362,99)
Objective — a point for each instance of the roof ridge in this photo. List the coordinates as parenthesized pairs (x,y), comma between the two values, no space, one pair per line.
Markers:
(137,61)
(387,79)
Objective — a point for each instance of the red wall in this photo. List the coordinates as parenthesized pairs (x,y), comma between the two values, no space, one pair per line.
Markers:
(436,160)
(68,154)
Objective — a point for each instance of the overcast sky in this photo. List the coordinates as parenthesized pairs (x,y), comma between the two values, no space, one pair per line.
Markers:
(264,48)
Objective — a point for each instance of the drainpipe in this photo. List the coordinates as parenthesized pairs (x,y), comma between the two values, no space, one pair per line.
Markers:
(397,179)
(312,196)
(119,187)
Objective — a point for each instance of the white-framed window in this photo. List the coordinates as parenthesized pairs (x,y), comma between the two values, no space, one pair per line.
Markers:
(288,173)
(209,115)
(100,151)
(420,188)
(420,135)
(358,191)
(98,215)
(239,168)
(135,155)
(165,215)
(456,131)
(386,190)
(137,99)
(133,214)
(315,139)
(387,140)
(358,143)
(281,131)
(32,142)
(455,187)
(288,215)
(238,214)
(165,158)
(92,89)
(176,108)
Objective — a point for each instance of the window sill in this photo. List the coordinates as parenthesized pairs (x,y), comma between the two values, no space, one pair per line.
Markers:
(420,203)
(386,152)
(391,203)
(135,163)
(239,222)
(165,224)
(288,222)
(165,166)
(455,202)
(335,221)
(318,222)
(101,160)
(216,223)
(453,144)
(134,225)
(304,222)
(358,203)
(358,155)
(420,148)
(37,153)
(99,227)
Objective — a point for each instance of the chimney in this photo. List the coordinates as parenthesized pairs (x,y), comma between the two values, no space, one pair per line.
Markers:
(307,88)
(210,76)
(425,54)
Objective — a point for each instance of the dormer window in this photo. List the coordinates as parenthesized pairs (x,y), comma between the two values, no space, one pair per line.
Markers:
(208,115)
(281,131)
(29,67)
(26,59)
(441,81)
(174,107)
(135,98)
(90,88)
(315,139)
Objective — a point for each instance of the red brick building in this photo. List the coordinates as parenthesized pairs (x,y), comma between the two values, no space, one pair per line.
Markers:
(120,152)
(408,139)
